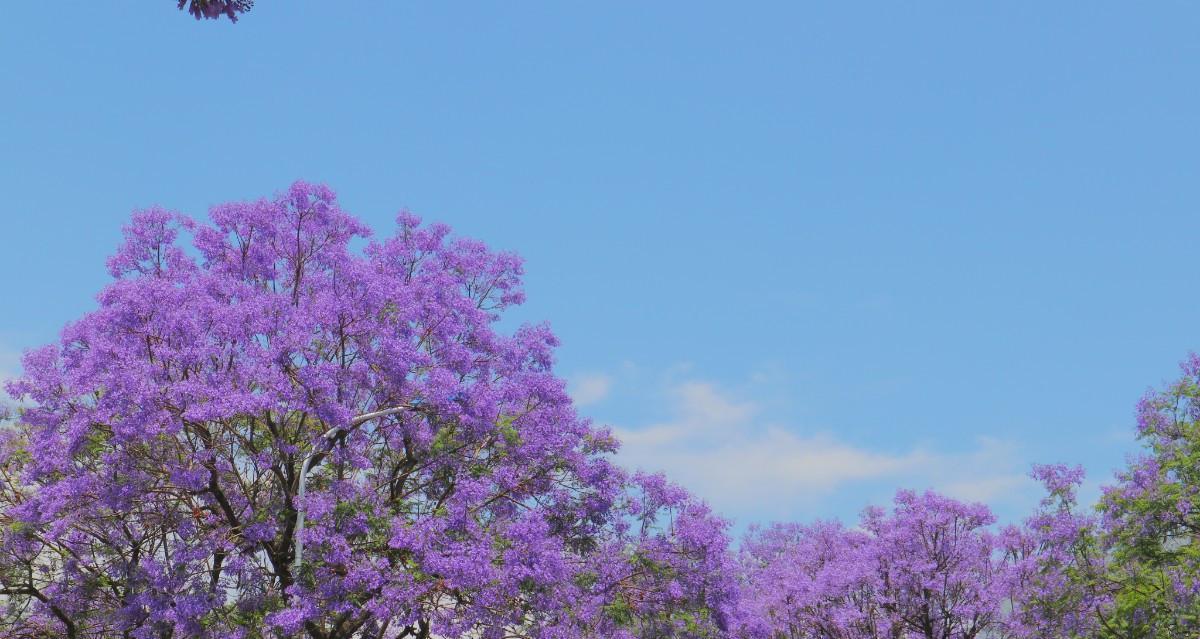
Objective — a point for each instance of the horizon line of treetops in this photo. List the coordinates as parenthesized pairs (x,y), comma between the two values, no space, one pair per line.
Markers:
(264,433)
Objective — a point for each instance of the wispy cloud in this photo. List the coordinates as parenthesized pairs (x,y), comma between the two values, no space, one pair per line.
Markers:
(723,448)
(590,388)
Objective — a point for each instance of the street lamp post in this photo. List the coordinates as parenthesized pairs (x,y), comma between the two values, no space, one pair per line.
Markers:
(326,438)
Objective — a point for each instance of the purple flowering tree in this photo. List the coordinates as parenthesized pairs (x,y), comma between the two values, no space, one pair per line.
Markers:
(1056,568)
(666,572)
(819,580)
(938,572)
(1151,517)
(928,569)
(269,434)
(1133,570)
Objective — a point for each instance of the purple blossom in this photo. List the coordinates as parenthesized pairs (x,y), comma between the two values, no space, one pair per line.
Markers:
(214,9)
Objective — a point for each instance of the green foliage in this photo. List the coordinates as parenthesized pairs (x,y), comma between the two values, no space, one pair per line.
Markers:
(1154,517)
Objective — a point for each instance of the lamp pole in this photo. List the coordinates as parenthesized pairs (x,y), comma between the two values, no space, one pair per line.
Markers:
(312,459)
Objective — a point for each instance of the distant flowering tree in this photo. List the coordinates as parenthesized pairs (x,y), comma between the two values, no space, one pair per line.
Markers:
(928,569)
(819,581)
(270,434)
(1152,518)
(931,569)
(1056,568)
(665,572)
(939,575)
(1134,570)
(214,9)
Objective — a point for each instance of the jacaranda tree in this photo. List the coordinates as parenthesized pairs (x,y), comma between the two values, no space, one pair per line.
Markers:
(928,569)
(1152,518)
(818,580)
(272,434)
(1132,571)
(938,571)
(1057,571)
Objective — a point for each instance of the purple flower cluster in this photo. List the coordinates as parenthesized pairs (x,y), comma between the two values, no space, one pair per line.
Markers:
(214,9)
(929,568)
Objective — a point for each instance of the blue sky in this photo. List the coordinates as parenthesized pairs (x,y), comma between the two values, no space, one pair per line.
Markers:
(799,256)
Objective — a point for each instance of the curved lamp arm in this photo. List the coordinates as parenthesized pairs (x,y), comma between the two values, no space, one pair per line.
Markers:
(309,461)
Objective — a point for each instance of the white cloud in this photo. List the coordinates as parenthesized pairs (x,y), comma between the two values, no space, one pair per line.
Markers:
(724,450)
(988,489)
(590,389)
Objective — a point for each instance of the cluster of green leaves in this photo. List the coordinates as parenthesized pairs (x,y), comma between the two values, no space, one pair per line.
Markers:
(1153,519)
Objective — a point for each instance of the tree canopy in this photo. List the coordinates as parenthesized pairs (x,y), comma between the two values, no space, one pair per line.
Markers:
(269,377)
